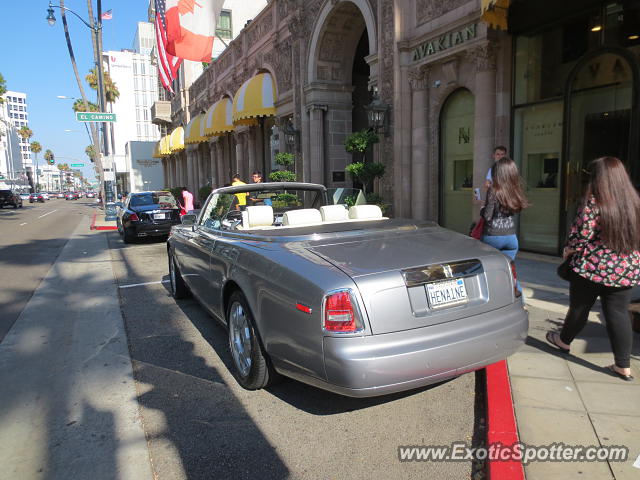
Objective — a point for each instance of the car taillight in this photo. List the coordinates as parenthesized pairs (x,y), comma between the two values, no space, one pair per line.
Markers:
(516,292)
(341,313)
(134,218)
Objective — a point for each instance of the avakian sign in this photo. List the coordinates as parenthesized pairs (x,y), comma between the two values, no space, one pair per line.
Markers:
(443,42)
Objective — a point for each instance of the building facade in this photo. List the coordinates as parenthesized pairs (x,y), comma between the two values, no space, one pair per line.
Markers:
(18,114)
(557,85)
(136,79)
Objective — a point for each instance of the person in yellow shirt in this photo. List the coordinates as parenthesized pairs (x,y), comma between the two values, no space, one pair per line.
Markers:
(241,204)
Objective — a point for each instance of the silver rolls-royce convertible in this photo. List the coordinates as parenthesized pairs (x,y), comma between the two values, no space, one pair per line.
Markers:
(314,285)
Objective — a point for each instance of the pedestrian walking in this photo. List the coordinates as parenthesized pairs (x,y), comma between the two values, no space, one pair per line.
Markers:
(604,251)
(187,200)
(498,152)
(505,199)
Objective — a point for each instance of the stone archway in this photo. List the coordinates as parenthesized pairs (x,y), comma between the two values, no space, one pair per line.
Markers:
(344,38)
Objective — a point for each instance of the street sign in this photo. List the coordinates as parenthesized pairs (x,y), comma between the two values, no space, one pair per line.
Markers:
(95,117)
(77,164)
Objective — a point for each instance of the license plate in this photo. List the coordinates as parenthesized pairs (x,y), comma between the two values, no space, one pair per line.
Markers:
(158,216)
(447,293)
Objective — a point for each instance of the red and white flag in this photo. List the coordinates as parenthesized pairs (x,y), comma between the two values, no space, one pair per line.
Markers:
(167,64)
(108,15)
(191,27)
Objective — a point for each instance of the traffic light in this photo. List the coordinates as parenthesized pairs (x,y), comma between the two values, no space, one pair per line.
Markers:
(51,160)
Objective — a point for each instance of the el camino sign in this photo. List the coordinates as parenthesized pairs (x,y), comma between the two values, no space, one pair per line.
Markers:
(443,42)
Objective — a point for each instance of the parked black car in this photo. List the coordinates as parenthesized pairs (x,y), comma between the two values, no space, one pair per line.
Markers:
(36,197)
(147,214)
(10,197)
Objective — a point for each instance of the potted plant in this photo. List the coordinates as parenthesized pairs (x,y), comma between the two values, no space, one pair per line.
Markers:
(361,170)
(285,160)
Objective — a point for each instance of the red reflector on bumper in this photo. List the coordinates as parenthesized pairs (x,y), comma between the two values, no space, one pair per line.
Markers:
(303,308)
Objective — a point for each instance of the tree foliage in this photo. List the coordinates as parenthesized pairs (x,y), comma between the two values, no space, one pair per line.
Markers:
(49,157)
(25,132)
(359,142)
(36,147)
(91,152)
(78,106)
(111,91)
(285,160)
(3,88)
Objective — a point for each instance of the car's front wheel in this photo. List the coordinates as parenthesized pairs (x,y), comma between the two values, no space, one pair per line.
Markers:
(252,369)
(179,288)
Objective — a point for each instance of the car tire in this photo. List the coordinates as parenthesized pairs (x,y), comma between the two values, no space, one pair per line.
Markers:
(251,367)
(126,238)
(178,287)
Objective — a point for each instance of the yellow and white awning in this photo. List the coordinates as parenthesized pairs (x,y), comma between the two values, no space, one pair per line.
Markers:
(219,118)
(195,131)
(495,13)
(156,150)
(176,140)
(163,146)
(255,98)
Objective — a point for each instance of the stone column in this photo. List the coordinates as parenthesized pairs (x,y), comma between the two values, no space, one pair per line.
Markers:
(485,112)
(251,150)
(222,161)
(213,166)
(240,154)
(419,79)
(316,142)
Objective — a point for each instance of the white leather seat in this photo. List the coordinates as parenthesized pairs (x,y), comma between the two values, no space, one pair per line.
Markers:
(257,216)
(365,212)
(334,213)
(304,216)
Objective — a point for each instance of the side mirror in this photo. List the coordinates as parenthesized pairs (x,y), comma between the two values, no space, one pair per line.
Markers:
(189,219)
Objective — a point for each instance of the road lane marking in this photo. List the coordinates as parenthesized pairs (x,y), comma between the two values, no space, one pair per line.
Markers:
(23,223)
(52,211)
(142,284)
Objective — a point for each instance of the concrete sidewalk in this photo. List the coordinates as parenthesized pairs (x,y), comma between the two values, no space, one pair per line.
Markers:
(68,402)
(571,399)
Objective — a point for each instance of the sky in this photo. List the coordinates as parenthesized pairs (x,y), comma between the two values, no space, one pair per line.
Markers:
(34,59)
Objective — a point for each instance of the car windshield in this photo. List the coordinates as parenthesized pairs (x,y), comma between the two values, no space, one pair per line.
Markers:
(163,199)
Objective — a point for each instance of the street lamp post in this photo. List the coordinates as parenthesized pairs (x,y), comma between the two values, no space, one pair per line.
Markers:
(96,28)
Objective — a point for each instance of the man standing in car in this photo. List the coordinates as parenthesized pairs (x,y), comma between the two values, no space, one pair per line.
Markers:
(253,199)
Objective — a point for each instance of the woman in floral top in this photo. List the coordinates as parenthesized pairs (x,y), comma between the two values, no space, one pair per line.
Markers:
(604,245)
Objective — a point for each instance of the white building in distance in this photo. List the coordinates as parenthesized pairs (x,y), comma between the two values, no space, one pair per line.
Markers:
(136,79)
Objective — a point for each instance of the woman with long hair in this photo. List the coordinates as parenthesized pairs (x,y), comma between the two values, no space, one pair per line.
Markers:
(604,246)
(505,199)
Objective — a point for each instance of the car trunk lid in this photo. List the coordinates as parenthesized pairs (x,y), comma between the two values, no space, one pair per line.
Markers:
(421,278)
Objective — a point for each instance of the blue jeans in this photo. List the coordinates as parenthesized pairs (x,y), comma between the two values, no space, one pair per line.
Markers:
(507,244)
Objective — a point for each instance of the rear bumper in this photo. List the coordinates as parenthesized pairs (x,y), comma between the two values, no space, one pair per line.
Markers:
(382,364)
(150,229)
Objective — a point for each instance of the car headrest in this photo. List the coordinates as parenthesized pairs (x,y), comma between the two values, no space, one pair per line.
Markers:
(333,213)
(304,216)
(258,216)
(362,212)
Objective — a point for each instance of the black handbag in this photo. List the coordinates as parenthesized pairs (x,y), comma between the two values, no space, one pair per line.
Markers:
(564,269)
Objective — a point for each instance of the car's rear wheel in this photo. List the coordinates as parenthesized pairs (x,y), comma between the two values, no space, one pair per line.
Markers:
(126,237)
(252,369)
(179,288)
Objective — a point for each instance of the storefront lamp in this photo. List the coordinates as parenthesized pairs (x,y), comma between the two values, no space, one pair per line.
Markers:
(290,134)
(377,114)
(51,18)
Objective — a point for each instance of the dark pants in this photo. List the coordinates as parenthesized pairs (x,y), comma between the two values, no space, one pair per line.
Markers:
(615,305)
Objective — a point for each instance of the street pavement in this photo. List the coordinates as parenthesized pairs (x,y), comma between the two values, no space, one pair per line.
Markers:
(104,375)
(31,238)
(571,399)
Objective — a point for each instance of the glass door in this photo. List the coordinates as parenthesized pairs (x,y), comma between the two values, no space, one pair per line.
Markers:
(537,147)
(599,122)
(457,161)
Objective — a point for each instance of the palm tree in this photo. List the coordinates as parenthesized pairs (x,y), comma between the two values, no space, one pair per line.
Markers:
(36,148)
(3,88)
(91,152)
(81,106)
(25,132)
(48,156)
(110,89)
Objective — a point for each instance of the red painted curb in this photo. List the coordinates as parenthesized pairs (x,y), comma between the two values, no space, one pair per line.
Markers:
(501,422)
(101,227)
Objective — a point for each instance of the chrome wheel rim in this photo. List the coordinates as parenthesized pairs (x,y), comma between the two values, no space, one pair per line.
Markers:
(240,338)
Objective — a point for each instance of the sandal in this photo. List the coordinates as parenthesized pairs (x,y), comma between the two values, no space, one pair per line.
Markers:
(611,369)
(552,338)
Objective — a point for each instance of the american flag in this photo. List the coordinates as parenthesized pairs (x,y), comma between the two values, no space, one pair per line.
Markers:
(108,15)
(167,64)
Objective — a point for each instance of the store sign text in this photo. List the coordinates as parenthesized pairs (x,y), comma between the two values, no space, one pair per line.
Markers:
(445,41)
